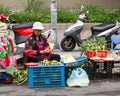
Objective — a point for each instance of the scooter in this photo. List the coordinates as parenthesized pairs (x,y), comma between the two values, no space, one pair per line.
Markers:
(21,33)
(72,33)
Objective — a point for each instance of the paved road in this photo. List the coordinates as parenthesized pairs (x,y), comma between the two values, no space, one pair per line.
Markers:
(96,88)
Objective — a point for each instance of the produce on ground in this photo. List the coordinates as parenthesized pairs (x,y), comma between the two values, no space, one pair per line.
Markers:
(19,76)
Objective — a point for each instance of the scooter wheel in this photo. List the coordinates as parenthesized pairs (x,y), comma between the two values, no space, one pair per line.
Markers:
(68,44)
(9,79)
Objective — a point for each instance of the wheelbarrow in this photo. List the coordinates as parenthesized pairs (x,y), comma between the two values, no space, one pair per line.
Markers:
(7,78)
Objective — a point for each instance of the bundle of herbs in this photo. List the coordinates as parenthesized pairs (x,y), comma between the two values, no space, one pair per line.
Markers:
(19,76)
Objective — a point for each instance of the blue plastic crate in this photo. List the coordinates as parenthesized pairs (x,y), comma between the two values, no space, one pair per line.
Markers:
(79,60)
(50,76)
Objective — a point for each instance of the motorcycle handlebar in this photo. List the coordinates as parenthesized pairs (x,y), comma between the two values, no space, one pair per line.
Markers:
(12,21)
(9,19)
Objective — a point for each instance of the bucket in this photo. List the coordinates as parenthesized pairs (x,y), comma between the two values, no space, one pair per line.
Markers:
(102,53)
(90,54)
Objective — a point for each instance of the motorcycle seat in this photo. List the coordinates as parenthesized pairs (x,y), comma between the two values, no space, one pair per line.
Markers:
(26,25)
(102,27)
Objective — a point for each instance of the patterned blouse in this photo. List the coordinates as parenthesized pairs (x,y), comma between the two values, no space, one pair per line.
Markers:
(32,44)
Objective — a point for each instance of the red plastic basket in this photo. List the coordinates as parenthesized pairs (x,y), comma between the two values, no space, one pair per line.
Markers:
(90,54)
(102,53)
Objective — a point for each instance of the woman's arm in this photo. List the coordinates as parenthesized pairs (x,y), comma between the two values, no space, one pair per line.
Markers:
(29,48)
(30,43)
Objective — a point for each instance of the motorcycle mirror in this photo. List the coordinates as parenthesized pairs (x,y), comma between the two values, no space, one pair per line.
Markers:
(82,6)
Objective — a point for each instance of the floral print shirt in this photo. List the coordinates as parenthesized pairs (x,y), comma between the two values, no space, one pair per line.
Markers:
(32,43)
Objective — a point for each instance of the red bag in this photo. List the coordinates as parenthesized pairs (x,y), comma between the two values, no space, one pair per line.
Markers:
(30,52)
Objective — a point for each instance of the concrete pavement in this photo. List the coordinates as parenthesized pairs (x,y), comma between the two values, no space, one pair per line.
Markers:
(98,87)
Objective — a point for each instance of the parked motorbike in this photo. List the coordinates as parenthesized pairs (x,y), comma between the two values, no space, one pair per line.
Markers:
(72,33)
(21,33)
(4,18)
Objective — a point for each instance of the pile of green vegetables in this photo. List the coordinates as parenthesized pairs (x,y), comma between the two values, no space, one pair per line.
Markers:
(19,76)
(48,62)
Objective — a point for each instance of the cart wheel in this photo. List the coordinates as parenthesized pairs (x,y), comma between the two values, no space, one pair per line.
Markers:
(9,79)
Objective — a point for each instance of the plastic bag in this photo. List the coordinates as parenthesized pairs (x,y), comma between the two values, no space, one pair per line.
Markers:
(3,62)
(79,78)
(13,60)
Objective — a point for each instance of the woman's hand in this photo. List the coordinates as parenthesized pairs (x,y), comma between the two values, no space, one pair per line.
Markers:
(46,51)
(42,52)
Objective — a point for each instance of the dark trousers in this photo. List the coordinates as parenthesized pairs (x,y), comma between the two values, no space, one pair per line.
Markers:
(37,58)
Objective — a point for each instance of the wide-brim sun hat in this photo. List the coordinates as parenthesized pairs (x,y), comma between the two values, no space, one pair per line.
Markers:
(37,26)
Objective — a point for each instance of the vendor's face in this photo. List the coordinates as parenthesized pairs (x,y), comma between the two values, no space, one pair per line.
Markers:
(37,32)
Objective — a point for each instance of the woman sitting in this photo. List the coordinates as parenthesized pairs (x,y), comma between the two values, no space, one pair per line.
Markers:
(37,48)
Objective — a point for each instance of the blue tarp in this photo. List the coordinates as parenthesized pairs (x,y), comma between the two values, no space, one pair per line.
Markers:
(115,39)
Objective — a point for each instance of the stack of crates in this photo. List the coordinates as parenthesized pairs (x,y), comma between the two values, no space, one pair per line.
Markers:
(116,69)
(46,76)
(102,69)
